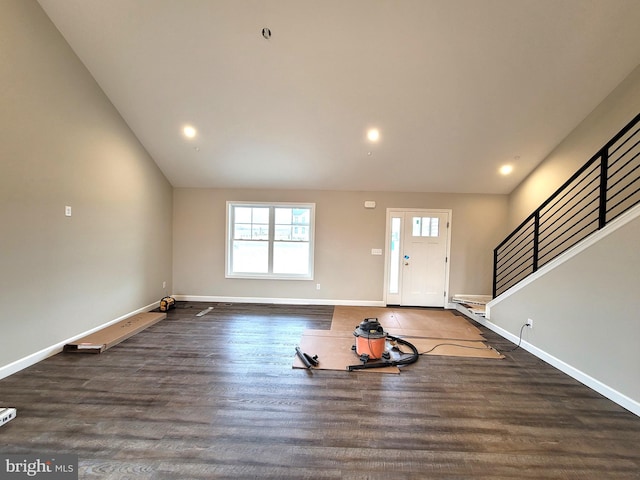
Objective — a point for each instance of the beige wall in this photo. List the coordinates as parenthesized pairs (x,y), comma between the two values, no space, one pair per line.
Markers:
(63,143)
(345,234)
(585,314)
(584,311)
(620,107)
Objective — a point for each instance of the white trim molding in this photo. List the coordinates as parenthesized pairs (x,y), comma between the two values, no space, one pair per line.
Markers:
(47,352)
(280,301)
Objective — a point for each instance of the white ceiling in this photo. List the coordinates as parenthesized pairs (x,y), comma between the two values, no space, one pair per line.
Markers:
(456,87)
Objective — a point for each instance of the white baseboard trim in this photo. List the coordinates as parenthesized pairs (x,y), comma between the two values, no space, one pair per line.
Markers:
(280,301)
(630,404)
(47,352)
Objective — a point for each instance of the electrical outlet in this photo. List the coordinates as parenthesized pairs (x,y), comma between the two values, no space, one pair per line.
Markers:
(317,286)
(164,284)
(529,323)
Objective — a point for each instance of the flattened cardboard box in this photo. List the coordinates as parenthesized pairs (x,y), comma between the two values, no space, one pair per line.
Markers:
(112,335)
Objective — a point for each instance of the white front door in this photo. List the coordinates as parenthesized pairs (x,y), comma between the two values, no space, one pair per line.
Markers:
(417,257)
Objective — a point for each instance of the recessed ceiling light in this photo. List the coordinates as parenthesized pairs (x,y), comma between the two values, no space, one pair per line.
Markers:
(189,131)
(506,169)
(373,134)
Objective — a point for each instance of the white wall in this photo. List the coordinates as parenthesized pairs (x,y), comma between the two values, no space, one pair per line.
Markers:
(345,234)
(63,143)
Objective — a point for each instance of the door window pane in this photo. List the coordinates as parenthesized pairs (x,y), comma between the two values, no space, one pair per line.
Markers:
(425,227)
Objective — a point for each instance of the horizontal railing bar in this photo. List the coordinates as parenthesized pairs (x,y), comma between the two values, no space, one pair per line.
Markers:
(572,235)
(612,187)
(507,253)
(613,174)
(586,177)
(516,274)
(570,209)
(510,266)
(524,254)
(615,150)
(595,228)
(515,231)
(626,198)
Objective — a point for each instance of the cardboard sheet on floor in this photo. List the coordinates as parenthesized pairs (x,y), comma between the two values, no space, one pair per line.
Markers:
(431,331)
(432,323)
(106,338)
(333,349)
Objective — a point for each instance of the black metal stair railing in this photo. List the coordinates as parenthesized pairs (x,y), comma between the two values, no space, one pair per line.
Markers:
(604,188)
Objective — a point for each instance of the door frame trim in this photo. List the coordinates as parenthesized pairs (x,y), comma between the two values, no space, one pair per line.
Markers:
(387,246)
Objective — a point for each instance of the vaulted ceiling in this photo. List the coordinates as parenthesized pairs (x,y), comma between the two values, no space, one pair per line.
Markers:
(456,88)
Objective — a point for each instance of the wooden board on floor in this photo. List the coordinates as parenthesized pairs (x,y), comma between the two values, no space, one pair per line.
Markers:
(109,336)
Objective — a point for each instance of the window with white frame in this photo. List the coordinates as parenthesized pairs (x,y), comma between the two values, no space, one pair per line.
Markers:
(270,240)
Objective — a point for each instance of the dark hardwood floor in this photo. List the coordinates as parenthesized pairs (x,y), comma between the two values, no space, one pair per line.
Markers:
(216,397)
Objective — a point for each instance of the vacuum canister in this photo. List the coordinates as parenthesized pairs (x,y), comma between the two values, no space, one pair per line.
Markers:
(370,338)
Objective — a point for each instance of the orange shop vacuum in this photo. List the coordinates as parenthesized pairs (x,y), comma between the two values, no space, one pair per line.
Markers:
(371,340)
(371,344)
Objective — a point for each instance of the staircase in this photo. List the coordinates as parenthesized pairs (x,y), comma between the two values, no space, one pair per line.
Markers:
(606,186)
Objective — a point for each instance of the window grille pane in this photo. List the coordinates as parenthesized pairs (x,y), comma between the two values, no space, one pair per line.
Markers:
(417,222)
(435,227)
(300,233)
(250,257)
(301,216)
(260,215)
(283,232)
(242,214)
(283,216)
(260,232)
(291,257)
(242,231)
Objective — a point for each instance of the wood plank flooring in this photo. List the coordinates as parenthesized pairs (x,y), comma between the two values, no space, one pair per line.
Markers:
(215,397)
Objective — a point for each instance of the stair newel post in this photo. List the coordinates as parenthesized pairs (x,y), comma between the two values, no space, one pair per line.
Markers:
(536,239)
(495,272)
(604,167)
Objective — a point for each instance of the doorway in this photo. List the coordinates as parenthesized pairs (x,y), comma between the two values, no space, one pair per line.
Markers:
(417,257)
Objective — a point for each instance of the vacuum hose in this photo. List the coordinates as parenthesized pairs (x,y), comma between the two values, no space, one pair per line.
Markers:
(390,363)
